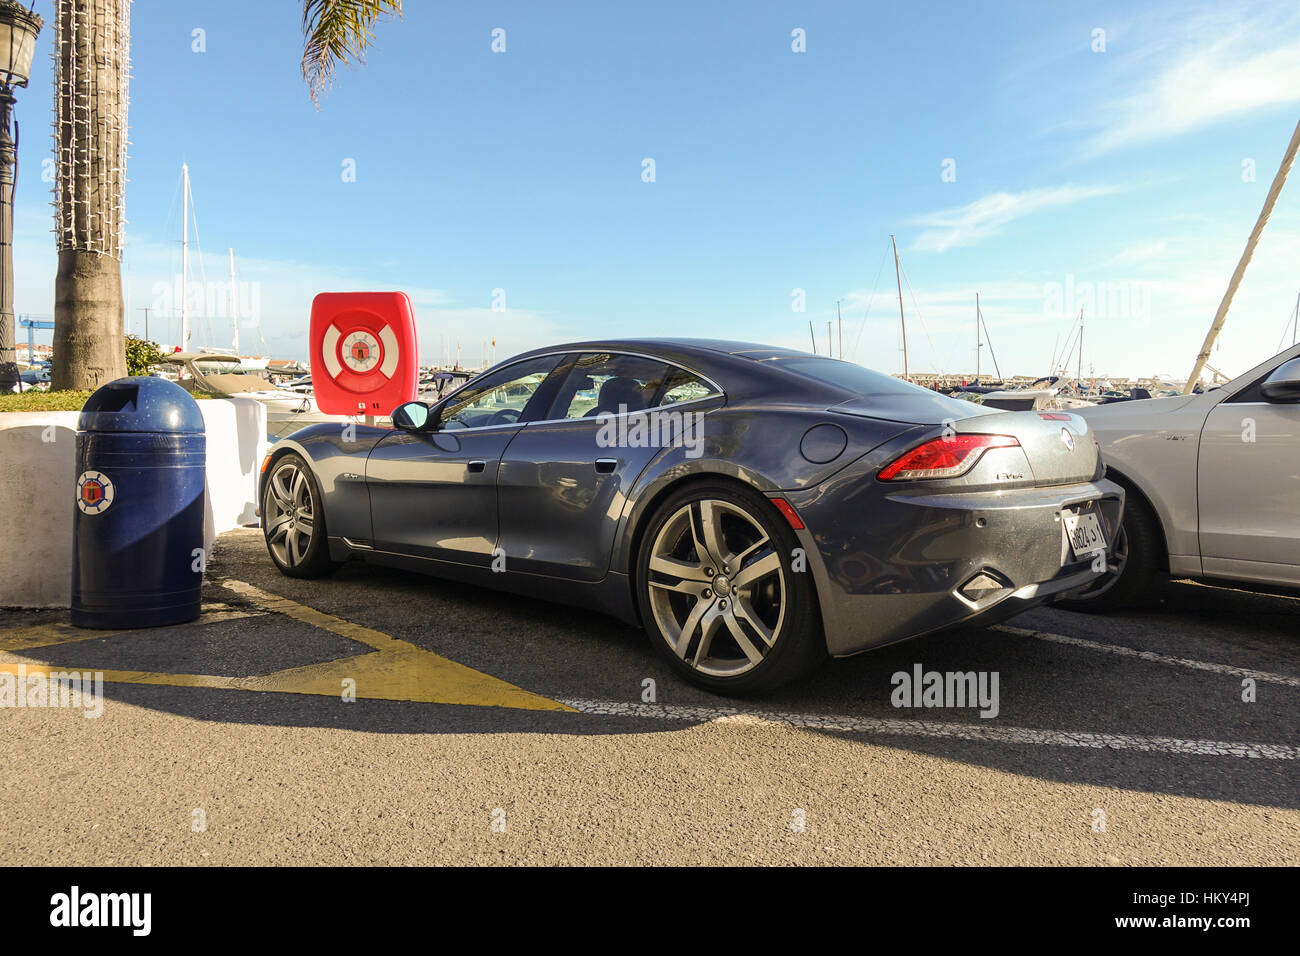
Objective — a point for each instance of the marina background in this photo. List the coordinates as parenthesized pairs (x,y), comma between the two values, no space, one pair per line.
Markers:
(474,181)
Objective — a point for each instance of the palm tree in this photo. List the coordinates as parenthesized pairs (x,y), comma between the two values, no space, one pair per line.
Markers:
(91,65)
(338,31)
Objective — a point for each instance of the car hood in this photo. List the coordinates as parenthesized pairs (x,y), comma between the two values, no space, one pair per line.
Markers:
(1139,407)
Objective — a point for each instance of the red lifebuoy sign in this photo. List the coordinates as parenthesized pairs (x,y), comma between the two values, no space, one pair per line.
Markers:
(365,357)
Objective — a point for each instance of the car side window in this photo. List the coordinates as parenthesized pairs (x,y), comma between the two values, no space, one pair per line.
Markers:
(498,398)
(1251,394)
(684,386)
(604,382)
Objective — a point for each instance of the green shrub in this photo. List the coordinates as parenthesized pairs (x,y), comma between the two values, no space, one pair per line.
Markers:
(140,354)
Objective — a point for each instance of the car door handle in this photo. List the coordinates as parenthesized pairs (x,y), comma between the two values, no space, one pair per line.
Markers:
(477,466)
(606,466)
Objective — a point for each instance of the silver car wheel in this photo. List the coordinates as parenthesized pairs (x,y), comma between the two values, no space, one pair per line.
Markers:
(717,587)
(291,514)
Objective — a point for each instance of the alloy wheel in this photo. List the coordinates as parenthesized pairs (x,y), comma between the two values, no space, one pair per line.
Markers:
(717,587)
(290,522)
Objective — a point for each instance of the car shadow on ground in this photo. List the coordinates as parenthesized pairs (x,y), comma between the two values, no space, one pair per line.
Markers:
(568,654)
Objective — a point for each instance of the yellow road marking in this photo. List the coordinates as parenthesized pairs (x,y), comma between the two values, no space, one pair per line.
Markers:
(47,635)
(309,615)
(393,670)
(42,669)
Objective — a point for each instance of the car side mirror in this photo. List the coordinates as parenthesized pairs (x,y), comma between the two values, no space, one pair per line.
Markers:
(412,417)
(1283,385)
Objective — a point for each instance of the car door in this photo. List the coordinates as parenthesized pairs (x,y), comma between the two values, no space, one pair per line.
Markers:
(1248,489)
(565,479)
(433,493)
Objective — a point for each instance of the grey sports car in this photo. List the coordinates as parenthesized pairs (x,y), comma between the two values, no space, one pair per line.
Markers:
(753,508)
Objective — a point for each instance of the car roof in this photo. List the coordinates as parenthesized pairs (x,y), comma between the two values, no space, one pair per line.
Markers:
(683,346)
(741,368)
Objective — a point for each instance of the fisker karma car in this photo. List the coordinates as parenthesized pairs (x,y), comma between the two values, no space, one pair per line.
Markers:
(1213,483)
(754,509)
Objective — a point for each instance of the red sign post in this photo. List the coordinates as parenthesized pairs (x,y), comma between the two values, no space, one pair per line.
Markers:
(365,357)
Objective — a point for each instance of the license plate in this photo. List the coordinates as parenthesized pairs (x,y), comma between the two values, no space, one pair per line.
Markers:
(1085,534)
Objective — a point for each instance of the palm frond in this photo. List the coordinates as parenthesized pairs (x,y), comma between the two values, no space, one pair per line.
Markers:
(338,31)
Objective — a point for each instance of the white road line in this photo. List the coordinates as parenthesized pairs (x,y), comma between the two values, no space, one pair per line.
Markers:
(933,728)
(1122,651)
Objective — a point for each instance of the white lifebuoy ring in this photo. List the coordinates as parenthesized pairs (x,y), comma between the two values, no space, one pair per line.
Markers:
(361,354)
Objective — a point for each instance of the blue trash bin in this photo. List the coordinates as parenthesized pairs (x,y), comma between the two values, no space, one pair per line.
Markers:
(138,528)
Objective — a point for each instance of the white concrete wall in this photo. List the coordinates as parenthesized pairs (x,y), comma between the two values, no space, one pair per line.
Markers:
(38,463)
(236,430)
(38,486)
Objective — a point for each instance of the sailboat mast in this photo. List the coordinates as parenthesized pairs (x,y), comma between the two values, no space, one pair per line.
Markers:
(1078,379)
(902,321)
(992,354)
(978,345)
(185,256)
(234,301)
(840,316)
(1222,315)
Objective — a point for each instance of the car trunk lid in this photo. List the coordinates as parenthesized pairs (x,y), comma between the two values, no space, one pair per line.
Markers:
(1058,445)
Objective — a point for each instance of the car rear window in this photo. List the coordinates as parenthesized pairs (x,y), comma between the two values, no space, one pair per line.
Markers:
(848,376)
(682,386)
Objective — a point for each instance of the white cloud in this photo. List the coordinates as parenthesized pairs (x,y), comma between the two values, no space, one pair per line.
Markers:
(277,293)
(985,217)
(1219,64)
(1148,310)
(1136,254)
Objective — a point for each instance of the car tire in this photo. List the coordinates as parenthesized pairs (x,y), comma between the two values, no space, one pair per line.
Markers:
(1140,573)
(753,626)
(293,520)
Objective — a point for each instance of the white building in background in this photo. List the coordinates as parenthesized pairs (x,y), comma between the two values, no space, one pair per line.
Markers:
(40,353)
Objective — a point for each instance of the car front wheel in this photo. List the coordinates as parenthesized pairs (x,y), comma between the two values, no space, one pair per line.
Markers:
(1134,569)
(293,520)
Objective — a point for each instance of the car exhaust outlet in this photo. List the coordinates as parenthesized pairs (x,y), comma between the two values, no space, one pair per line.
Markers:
(982,586)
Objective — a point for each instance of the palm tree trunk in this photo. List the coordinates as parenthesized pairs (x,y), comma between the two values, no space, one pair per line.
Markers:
(9,376)
(92,61)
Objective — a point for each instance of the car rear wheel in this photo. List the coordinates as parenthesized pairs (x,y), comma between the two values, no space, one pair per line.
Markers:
(1134,566)
(293,520)
(719,593)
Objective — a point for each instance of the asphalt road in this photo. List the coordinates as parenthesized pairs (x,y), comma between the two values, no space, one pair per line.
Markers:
(494,729)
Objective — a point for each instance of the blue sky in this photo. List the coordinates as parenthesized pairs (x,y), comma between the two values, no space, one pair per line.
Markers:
(1112,179)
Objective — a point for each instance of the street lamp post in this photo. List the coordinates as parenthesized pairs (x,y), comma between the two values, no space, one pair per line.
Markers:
(18,29)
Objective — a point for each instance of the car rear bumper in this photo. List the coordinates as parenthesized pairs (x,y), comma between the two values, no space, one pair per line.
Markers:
(895,563)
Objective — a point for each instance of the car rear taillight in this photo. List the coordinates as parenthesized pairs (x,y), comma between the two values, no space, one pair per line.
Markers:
(944,457)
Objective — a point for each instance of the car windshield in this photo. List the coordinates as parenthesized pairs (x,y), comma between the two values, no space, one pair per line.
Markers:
(848,376)
(498,398)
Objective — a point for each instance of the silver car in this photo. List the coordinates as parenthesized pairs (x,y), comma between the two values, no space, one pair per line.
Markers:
(1213,485)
